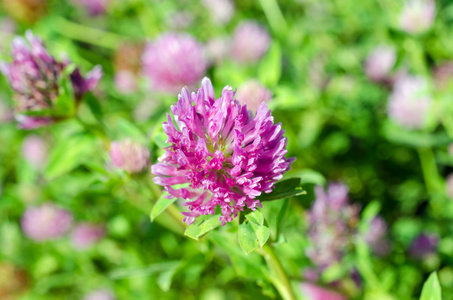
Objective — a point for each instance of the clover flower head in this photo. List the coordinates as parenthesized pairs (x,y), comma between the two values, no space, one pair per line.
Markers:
(45,222)
(331,225)
(35,77)
(130,156)
(93,7)
(314,292)
(418,16)
(174,60)
(375,236)
(222,154)
(102,294)
(250,42)
(34,150)
(253,93)
(85,235)
(221,11)
(380,62)
(409,102)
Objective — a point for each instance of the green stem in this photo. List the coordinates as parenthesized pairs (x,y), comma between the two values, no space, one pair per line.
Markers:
(429,169)
(274,16)
(433,180)
(278,274)
(87,34)
(416,55)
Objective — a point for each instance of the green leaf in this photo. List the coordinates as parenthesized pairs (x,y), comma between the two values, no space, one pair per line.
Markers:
(253,230)
(431,289)
(165,278)
(255,217)
(248,266)
(270,68)
(65,105)
(284,189)
(37,113)
(413,138)
(261,232)
(161,204)
(68,154)
(274,212)
(145,271)
(203,225)
(94,105)
(131,131)
(247,237)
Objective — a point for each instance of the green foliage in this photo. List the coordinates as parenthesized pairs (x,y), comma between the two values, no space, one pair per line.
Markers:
(161,204)
(431,288)
(202,226)
(284,189)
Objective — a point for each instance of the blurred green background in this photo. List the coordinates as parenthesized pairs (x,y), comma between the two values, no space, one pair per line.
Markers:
(337,122)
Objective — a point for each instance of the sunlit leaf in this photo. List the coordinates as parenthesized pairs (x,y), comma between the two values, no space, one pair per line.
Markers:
(159,207)
(270,68)
(247,237)
(284,189)
(431,289)
(203,225)
(68,154)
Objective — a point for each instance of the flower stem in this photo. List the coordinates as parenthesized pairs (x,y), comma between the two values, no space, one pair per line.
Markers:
(88,34)
(278,275)
(429,169)
(432,179)
(274,16)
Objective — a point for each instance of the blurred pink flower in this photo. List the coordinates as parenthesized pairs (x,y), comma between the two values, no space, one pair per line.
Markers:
(35,77)
(375,237)
(253,93)
(84,235)
(409,102)
(34,150)
(180,20)
(129,156)
(174,60)
(100,295)
(125,81)
(314,292)
(250,42)
(93,7)
(418,16)
(331,225)
(380,62)
(220,11)
(45,222)
(28,122)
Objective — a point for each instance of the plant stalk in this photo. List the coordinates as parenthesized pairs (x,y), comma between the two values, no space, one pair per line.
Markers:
(278,275)
(87,34)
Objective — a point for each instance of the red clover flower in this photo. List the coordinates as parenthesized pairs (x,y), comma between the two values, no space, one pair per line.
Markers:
(35,77)
(222,154)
